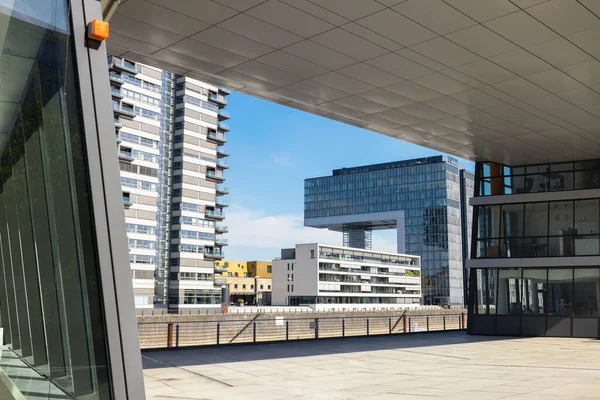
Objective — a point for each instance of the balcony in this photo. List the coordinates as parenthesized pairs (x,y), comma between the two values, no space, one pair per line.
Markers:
(221,190)
(214,214)
(223,115)
(116,93)
(116,63)
(119,140)
(218,137)
(116,78)
(210,253)
(124,111)
(222,242)
(220,269)
(126,155)
(221,229)
(222,164)
(222,152)
(118,123)
(224,127)
(222,203)
(220,281)
(224,90)
(215,175)
(127,201)
(218,98)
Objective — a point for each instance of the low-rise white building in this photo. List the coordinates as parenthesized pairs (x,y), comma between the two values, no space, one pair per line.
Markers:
(335,277)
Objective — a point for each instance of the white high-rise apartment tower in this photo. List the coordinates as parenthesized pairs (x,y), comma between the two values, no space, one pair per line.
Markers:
(169,132)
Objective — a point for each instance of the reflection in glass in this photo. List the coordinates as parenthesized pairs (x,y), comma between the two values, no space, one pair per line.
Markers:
(560,292)
(534,291)
(50,302)
(536,217)
(587,292)
(509,292)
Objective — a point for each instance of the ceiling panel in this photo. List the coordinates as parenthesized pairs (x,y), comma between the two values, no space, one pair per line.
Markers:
(445,52)
(397,27)
(482,11)
(435,15)
(493,79)
(289,18)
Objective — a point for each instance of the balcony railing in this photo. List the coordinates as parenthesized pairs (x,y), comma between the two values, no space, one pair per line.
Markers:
(224,90)
(116,92)
(124,110)
(223,126)
(218,136)
(116,62)
(116,77)
(222,228)
(118,123)
(222,152)
(217,98)
(222,189)
(127,155)
(222,203)
(214,213)
(222,242)
(222,164)
(224,114)
(214,253)
(127,201)
(215,175)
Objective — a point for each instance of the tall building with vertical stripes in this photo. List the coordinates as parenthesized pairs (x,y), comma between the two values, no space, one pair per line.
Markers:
(169,131)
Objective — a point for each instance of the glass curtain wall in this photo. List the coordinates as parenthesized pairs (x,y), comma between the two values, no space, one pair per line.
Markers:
(543,229)
(50,297)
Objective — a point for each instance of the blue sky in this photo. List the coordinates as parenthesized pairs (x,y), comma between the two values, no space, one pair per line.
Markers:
(273,149)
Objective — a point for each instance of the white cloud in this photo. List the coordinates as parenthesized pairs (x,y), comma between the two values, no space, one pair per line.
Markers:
(282,159)
(255,235)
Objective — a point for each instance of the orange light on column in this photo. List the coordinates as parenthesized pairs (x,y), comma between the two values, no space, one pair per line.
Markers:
(98,30)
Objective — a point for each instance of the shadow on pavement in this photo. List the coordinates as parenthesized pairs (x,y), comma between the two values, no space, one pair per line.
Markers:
(266,351)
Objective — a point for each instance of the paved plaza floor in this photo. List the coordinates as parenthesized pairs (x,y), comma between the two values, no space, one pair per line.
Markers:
(450,365)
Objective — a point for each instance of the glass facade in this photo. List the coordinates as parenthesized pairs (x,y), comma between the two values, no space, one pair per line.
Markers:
(427,191)
(548,296)
(496,179)
(539,229)
(554,301)
(53,332)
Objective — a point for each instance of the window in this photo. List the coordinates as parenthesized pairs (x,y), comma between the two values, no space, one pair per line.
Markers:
(269,269)
(587,282)
(292,288)
(244,286)
(288,287)
(560,292)
(292,266)
(269,287)
(235,286)
(292,276)
(261,287)
(534,289)
(288,265)
(509,292)
(251,286)
(236,274)
(312,254)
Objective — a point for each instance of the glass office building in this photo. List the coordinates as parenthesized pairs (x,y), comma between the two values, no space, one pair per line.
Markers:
(66,311)
(536,251)
(423,199)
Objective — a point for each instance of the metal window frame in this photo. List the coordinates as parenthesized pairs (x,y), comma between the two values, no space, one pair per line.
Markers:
(108,214)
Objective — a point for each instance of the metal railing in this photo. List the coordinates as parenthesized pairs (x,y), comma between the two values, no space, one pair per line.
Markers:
(256,329)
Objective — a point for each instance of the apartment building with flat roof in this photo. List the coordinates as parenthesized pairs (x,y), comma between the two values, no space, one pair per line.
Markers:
(336,277)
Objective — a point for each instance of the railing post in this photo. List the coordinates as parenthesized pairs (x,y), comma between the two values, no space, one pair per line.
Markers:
(218,332)
(287,330)
(367,326)
(459,321)
(404,324)
(428,323)
(463,321)
(170,334)
(177,335)
(409,326)
(444,319)
(343,327)
(254,332)
(390,325)
(316,328)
